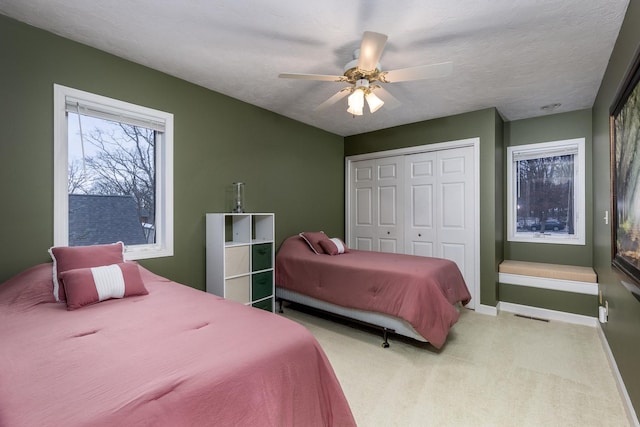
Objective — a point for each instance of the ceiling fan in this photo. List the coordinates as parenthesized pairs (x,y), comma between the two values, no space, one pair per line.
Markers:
(364,71)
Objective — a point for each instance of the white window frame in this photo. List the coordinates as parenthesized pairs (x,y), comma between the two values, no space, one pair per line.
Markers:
(545,149)
(164,170)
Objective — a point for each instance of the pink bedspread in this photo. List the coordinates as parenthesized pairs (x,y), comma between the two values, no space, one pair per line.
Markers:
(175,357)
(420,290)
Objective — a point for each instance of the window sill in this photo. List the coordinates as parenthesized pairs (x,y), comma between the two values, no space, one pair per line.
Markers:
(547,238)
(148,252)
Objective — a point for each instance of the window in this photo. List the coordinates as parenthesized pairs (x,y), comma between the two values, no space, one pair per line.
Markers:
(545,192)
(113,174)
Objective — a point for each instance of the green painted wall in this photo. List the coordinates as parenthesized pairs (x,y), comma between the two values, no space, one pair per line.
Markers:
(575,124)
(292,169)
(623,329)
(485,124)
(566,302)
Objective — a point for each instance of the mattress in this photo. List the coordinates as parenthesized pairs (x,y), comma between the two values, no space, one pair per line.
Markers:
(423,291)
(175,357)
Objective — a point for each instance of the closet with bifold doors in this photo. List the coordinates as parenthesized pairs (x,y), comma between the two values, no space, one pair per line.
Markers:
(419,201)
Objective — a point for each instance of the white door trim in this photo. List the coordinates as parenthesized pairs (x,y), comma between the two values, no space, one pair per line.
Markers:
(470,142)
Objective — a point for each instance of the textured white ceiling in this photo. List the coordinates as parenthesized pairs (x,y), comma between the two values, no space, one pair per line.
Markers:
(515,55)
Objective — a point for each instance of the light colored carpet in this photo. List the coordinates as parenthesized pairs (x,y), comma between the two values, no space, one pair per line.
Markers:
(493,371)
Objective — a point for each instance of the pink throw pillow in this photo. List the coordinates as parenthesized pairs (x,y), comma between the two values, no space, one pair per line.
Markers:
(84,286)
(72,257)
(313,239)
(334,246)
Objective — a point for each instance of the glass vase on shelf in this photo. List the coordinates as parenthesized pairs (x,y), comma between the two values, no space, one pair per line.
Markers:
(238,197)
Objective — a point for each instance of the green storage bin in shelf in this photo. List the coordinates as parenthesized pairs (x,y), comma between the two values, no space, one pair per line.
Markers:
(266,304)
(261,285)
(261,256)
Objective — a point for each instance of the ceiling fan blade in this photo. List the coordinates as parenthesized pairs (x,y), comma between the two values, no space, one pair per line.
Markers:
(432,71)
(371,50)
(335,98)
(322,77)
(390,101)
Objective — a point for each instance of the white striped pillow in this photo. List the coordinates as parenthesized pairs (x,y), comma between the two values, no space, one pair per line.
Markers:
(85,286)
(334,246)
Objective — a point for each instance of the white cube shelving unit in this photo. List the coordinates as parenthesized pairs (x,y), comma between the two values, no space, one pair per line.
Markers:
(240,257)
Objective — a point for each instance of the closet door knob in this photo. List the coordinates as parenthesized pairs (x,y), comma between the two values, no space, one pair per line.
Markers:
(388,232)
(419,235)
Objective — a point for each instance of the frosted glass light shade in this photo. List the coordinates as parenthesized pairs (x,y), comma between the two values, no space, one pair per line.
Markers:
(356,102)
(374,102)
(354,111)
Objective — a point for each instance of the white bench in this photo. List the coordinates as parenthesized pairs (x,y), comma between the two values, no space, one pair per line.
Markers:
(568,278)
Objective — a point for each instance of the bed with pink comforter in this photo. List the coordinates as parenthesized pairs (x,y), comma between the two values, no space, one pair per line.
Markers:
(421,290)
(174,357)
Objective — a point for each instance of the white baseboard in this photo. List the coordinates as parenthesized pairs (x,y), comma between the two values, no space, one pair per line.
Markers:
(486,309)
(543,313)
(631,413)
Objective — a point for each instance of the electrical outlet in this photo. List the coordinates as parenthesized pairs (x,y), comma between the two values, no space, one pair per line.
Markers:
(603,312)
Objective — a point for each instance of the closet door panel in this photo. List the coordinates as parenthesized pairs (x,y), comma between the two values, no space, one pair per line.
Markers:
(387,209)
(456,212)
(421,248)
(453,206)
(389,245)
(363,171)
(420,180)
(421,206)
(364,243)
(362,203)
(389,183)
(364,207)
(388,170)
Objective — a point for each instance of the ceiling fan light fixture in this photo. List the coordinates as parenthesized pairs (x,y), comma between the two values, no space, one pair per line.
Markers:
(356,102)
(365,70)
(373,102)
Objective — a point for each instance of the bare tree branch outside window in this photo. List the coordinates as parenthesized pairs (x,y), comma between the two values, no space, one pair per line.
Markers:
(119,160)
(545,194)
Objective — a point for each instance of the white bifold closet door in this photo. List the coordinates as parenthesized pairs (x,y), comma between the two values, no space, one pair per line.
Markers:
(377,191)
(439,207)
(420,204)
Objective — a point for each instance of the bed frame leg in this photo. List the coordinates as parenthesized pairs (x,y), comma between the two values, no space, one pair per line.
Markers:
(385,335)
(280,310)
